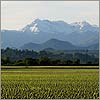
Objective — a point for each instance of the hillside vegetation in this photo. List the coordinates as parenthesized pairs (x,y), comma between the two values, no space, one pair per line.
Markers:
(48,57)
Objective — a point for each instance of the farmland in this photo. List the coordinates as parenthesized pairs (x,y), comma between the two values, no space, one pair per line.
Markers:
(50,83)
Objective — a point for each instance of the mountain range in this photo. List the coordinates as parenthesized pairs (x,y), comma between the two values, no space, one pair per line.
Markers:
(46,33)
(54,44)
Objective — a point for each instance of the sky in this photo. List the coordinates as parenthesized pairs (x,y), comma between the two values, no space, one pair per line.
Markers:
(17,14)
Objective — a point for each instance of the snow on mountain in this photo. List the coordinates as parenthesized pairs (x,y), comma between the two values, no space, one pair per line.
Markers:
(84,26)
(40,31)
(47,26)
(56,27)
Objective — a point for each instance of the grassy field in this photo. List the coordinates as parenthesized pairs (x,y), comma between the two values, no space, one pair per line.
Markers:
(54,83)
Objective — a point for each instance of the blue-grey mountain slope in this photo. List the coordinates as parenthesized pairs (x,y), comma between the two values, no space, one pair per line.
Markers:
(54,44)
(40,31)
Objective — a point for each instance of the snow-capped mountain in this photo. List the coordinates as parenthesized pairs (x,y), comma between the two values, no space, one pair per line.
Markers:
(84,26)
(39,31)
(47,26)
(58,27)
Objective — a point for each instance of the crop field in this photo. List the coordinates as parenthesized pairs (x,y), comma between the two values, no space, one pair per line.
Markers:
(45,83)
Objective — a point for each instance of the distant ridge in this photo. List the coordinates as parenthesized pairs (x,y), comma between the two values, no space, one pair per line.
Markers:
(54,44)
(39,31)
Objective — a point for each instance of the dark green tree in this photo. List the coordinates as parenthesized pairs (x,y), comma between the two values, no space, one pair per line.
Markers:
(44,61)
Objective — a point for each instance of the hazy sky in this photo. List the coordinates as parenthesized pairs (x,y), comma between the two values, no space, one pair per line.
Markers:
(16,14)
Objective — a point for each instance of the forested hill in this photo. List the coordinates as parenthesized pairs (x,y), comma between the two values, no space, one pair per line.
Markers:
(48,57)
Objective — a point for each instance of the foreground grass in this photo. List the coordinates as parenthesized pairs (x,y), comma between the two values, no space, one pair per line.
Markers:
(50,83)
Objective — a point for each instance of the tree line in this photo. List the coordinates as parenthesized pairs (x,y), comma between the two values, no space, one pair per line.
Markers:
(45,58)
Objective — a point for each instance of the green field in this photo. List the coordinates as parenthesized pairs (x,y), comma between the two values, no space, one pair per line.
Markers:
(54,83)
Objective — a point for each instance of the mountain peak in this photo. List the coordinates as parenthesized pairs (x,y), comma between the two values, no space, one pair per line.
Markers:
(56,27)
(37,20)
(41,20)
(82,23)
(84,26)
(55,44)
(53,39)
(41,30)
